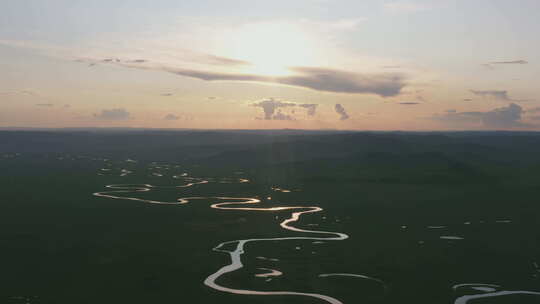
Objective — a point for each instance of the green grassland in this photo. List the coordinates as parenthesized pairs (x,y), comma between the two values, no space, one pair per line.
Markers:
(61,244)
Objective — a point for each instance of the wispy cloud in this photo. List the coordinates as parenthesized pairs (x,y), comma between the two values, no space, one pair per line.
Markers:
(218,60)
(330,80)
(341,111)
(171,117)
(319,79)
(211,67)
(496,94)
(113,114)
(491,65)
(521,61)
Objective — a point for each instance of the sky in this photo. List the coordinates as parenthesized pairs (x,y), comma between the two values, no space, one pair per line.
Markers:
(303,64)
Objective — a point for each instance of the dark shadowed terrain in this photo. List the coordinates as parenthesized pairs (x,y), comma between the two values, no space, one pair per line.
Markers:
(424,212)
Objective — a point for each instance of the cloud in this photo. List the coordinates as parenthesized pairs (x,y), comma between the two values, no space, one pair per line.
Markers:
(44,104)
(137,61)
(281,116)
(218,60)
(497,94)
(311,108)
(510,62)
(338,81)
(171,117)
(113,114)
(467,99)
(504,117)
(185,55)
(459,117)
(409,103)
(272,111)
(270,106)
(490,65)
(174,117)
(319,79)
(341,111)
(167,94)
(111,60)
(213,76)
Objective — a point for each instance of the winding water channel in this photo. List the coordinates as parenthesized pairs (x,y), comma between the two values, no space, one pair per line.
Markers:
(121,192)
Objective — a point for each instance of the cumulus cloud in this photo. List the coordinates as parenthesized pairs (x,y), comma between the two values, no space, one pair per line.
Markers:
(341,111)
(270,106)
(171,117)
(311,108)
(504,117)
(281,116)
(113,114)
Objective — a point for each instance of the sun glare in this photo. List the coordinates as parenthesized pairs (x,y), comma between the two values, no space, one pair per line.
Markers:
(272,47)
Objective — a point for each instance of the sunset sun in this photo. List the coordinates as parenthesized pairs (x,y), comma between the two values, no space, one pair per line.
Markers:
(272,48)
